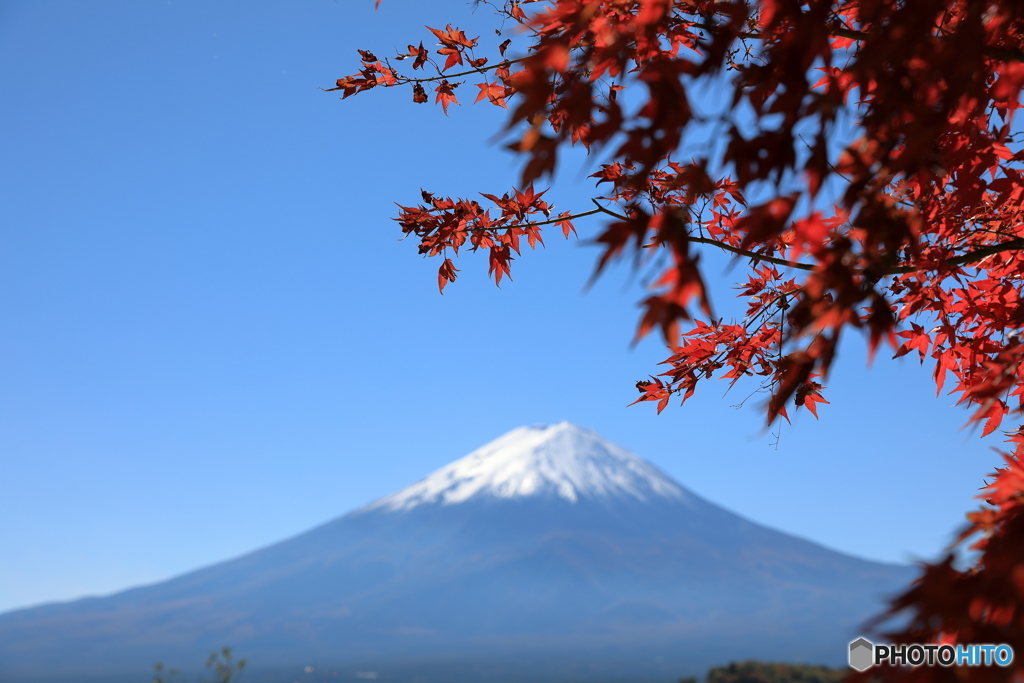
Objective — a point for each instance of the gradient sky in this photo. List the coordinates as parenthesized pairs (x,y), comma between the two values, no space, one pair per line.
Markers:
(211,337)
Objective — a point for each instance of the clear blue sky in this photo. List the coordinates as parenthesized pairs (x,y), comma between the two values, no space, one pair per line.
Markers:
(212,339)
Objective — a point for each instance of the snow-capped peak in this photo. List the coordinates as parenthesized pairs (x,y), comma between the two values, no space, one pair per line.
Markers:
(561,460)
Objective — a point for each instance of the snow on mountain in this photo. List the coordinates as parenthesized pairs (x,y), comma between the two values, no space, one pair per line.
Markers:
(561,460)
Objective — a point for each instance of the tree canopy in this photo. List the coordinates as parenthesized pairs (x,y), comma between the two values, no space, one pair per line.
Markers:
(861,158)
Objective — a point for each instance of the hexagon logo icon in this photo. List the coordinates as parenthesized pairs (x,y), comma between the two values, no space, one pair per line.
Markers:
(862,654)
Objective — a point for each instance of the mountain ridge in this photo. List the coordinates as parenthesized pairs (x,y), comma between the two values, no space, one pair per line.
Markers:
(521,574)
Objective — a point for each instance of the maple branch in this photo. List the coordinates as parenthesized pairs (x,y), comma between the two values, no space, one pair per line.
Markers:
(716,243)
(969,257)
(608,211)
(766,310)
(547,222)
(714,28)
(557,219)
(1001,53)
(443,76)
(978,254)
(752,254)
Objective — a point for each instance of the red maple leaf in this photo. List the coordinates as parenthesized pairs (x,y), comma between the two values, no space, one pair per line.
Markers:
(446,94)
(494,92)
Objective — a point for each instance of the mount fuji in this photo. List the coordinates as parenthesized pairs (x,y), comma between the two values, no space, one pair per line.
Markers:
(548,554)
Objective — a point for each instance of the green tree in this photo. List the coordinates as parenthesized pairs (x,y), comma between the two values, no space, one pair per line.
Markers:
(766,672)
(223,665)
(225,668)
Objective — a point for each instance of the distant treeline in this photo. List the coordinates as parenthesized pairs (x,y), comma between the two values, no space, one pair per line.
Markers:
(767,672)
(226,669)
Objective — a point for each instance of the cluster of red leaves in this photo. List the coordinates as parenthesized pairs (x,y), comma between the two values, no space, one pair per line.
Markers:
(373,73)
(935,90)
(923,248)
(457,50)
(444,224)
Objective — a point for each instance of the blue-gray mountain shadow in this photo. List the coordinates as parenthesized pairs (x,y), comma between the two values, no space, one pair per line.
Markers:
(491,564)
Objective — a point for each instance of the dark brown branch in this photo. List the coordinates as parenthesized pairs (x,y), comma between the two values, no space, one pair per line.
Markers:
(1000,53)
(480,228)
(978,254)
(402,80)
(548,222)
(752,254)
(608,211)
(969,257)
(723,245)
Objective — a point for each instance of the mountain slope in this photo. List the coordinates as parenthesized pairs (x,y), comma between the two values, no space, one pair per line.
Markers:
(549,546)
